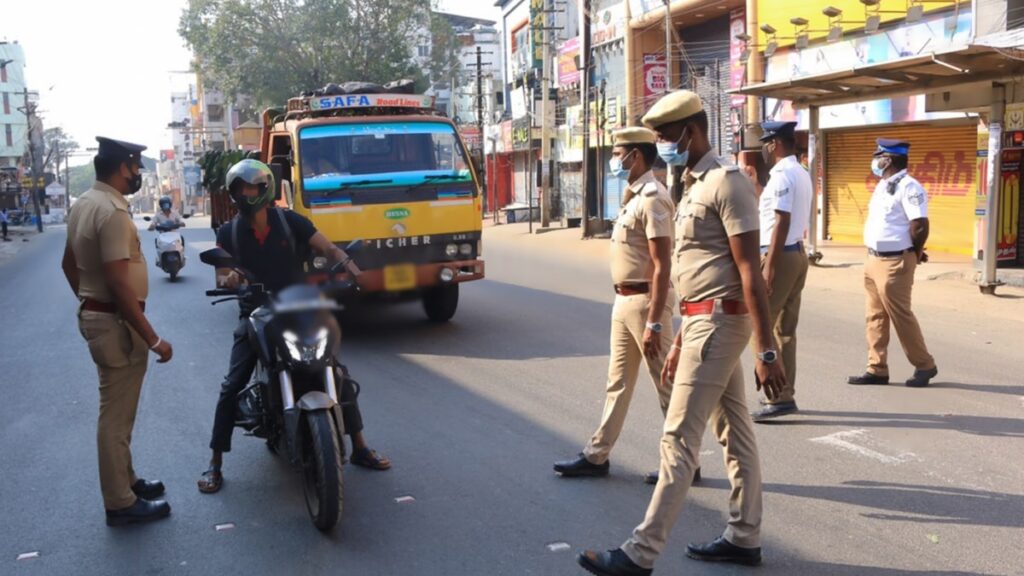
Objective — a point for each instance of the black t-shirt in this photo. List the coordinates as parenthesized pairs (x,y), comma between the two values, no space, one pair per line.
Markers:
(271,259)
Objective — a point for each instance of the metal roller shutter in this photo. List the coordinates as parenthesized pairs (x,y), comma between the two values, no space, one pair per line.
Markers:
(520,177)
(942,158)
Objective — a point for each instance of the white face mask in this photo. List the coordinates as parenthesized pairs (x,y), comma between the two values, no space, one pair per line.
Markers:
(880,165)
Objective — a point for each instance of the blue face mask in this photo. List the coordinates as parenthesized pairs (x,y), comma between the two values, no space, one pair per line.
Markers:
(669,152)
(616,169)
(877,167)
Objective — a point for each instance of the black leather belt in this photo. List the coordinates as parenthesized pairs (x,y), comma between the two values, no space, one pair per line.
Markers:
(878,254)
(632,289)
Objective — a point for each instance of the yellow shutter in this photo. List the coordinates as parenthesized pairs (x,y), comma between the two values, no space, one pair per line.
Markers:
(942,158)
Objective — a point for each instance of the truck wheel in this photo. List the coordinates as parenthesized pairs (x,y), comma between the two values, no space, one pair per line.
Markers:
(441,302)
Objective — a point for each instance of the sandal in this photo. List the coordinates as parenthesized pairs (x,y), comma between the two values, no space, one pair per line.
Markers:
(211,481)
(368,458)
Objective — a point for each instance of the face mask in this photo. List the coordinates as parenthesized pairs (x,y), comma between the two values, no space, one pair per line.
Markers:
(669,152)
(134,182)
(766,154)
(616,169)
(878,166)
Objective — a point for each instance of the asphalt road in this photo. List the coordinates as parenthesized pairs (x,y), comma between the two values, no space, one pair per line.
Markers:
(865,482)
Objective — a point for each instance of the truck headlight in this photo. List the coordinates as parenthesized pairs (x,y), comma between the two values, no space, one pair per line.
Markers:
(465,249)
(451,250)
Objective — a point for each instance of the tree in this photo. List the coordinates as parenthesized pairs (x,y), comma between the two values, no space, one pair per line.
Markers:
(57,144)
(276,49)
(444,54)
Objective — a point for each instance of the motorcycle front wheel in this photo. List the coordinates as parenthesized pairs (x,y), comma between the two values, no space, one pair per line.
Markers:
(323,486)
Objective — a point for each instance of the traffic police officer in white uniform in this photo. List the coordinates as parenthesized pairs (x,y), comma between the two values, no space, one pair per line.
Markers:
(895,233)
(785,208)
(641,268)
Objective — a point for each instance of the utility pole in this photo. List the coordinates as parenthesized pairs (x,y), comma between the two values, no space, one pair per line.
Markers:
(545,142)
(33,161)
(668,45)
(480,121)
(585,98)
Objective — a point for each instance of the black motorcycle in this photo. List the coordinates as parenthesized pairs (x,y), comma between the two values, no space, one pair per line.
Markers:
(292,400)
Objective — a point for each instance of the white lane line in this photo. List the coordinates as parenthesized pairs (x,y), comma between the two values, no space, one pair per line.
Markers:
(404,500)
(559,547)
(28,556)
(844,441)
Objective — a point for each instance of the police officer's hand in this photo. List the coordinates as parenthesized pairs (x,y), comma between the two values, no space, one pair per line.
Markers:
(652,344)
(922,257)
(771,378)
(668,371)
(164,351)
(231,281)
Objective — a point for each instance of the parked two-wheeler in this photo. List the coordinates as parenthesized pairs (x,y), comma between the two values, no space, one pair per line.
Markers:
(292,400)
(170,248)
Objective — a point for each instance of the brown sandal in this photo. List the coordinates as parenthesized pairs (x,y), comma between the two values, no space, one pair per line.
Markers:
(368,458)
(211,481)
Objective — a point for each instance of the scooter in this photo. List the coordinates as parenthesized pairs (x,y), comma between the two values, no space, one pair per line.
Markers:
(292,400)
(170,249)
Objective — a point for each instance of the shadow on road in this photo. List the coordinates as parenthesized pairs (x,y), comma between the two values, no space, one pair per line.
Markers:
(977,425)
(910,502)
(829,569)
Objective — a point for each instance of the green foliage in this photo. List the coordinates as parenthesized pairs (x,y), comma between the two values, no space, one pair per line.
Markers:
(215,165)
(57,144)
(83,175)
(276,49)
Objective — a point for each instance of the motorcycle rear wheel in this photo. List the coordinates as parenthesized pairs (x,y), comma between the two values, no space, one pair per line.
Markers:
(324,485)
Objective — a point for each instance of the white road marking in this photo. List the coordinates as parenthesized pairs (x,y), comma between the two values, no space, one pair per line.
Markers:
(28,555)
(225,526)
(404,500)
(843,441)
(559,547)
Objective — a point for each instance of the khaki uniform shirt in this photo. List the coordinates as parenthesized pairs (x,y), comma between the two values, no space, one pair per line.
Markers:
(101,230)
(646,215)
(719,202)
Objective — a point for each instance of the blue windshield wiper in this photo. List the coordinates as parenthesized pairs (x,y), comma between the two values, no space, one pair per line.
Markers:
(348,185)
(433,177)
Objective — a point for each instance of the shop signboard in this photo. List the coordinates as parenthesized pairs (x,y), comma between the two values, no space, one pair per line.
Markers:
(1009,205)
(567,53)
(737,68)
(655,81)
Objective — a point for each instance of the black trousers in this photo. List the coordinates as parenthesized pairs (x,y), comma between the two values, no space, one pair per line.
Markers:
(243,362)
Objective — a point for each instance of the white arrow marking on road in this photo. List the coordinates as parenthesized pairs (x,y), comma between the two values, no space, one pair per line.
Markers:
(842,441)
(28,555)
(559,547)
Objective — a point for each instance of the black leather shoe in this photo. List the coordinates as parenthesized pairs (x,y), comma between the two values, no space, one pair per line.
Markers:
(148,489)
(721,550)
(610,563)
(867,378)
(921,378)
(142,511)
(652,477)
(581,467)
(771,411)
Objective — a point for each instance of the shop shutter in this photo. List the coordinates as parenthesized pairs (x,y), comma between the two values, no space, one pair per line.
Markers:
(942,158)
(519,178)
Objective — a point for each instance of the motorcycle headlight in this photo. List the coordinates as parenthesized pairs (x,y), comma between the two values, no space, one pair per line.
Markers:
(306,352)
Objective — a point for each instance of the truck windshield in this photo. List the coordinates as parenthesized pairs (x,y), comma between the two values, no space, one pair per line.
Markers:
(344,159)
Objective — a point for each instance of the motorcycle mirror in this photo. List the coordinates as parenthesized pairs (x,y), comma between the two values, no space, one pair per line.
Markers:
(217,257)
(147,218)
(186,216)
(354,246)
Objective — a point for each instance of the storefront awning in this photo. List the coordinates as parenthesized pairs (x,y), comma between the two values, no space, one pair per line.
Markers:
(992,58)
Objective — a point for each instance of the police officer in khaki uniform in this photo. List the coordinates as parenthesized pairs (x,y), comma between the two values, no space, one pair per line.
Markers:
(722,297)
(641,316)
(106,270)
(895,232)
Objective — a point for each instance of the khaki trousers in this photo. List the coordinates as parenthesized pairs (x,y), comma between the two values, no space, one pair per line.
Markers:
(120,355)
(784,307)
(708,387)
(888,282)
(629,320)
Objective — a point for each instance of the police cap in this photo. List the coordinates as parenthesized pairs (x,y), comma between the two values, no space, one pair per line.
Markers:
(672,107)
(119,151)
(774,130)
(892,146)
(634,135)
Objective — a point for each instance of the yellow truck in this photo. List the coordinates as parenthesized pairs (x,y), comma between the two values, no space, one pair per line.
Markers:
(393,171)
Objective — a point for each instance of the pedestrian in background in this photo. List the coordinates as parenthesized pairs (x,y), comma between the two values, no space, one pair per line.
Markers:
(722,299)
(785,215)
(3,222)
(105,267)
(895,233)
(641,268)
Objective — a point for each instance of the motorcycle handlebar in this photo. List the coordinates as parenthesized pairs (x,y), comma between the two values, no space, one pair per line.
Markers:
(221,292)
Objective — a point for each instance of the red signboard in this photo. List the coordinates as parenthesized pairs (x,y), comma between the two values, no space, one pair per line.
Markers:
(567,53)
(737,68)
(655,81)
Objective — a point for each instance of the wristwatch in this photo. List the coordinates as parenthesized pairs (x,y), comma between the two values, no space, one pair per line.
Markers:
(768,356)
(654,327)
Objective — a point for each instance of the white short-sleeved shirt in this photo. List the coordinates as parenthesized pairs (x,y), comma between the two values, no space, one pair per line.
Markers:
(789,189)
(887,228)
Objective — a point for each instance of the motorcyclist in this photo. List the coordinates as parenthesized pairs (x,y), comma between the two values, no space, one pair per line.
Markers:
(167,218)
(271,244)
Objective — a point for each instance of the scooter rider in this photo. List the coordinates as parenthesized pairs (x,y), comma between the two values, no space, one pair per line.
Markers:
(167,218)
(270,243)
